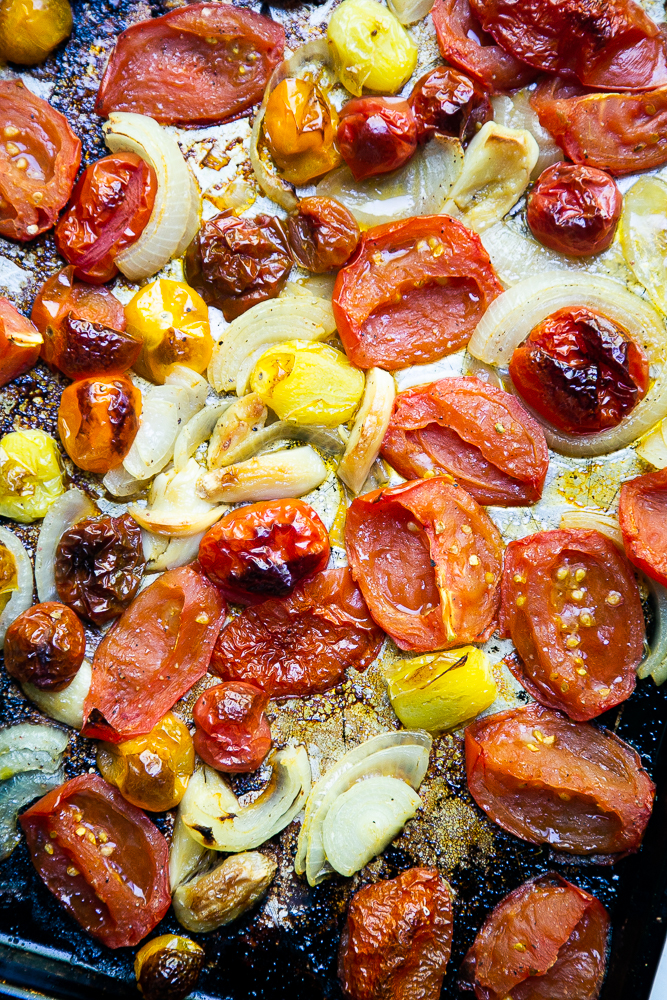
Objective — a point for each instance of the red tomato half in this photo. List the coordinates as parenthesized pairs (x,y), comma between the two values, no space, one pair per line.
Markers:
(572,608)
(549,780)
(20,342)
(195,66)
(477,433)
(548,938)
(414,292)
(39,159)
(301,645)
(642,514)
(102,858)
(61,295)
(428,561)
(154,653)
(232,731)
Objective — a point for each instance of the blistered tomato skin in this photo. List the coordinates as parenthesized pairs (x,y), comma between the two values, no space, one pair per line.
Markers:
(233,733)
(20,343)
(574,209)
(45,646)
(446,102)
(300,131)
(168,967)
(323,234)
(642,515)
(61,295)
(31,29)
(81,349)
(98,420)
(376,135)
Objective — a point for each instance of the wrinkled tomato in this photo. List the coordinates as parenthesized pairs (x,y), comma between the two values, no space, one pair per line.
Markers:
(376,135)
(323,234)
(642,515)
(548,938)
(232,731)
(98,420)
(572,608)
(428,560)
(109,209)
(447,102)
(61,296)
(20,343)
(414,292)
(81,349)
(39,159)
(299,128)
(302,644)
(154,653)
(580,371)
(102,859)
(549,780)
(199,65)
(477,433)
(574,209)
(45,646)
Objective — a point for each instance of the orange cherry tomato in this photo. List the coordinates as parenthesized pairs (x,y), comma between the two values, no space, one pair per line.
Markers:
(300,131)
(232,731)
(80,349)
(61,295)
(98,420)
(20,343)
(642,514)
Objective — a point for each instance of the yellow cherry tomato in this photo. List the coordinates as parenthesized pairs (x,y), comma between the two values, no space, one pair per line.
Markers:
(30,475)
(172,321)
(643,233)
(9,578)
(31,29)
(300,128)
(371,47)
(168,967)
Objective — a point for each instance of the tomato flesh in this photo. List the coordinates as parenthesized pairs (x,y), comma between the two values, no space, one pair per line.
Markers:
(20,343)
(574,209)
(232,731)
(642,515)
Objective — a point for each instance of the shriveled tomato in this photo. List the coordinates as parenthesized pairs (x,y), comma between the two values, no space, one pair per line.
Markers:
(299,127)
(109,209)
(447,102)
(414,292)
(642,514)
(155,652)
(39,159)
(477,433)
(548,938)
(574,209)
(572,608)
(20,342)
(549,780)
(323,234)
(81,349)
(303,644)
(232,731)
(102,859)
(428,561)
(61,296)
(376,135)
(198,65)
(45,646)
(98,419)
(265,549)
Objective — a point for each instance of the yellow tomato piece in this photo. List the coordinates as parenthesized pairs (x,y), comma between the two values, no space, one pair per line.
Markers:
(31,29)
(643,234)
(30,475)
(308,383)
(441,691)
(172,321)
(300,128)
(371,47)
(9,579)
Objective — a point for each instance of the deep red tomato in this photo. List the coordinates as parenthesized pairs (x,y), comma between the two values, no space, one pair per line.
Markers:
(414,292)
(61,295)
(477,433)
(153,654)
(548,938)
(232,731)
(303,644)
(81,349)
(428,560)
(108,211)
(39,159)
(376,135)
(265,549)
(20,342)
(549,780)
(199,65)
(571,605)
(102,858)
(574,209)
(642,514)
(447,102)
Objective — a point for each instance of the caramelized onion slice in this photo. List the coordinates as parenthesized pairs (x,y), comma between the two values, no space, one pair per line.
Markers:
(28,747)
(594,520)
(66,705)
(655,664)
(174,506)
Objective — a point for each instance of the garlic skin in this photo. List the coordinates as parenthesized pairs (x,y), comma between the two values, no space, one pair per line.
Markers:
(369,428)
(279,475)
(225,893)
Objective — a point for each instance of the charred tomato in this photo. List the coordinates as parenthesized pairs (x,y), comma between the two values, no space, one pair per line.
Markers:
(574,209)
(98,420)
(446,102)
(45,646)
(642,515)
(376,135)
(323,234)
(81,349)
(61,295)
(20,343)
(232,731)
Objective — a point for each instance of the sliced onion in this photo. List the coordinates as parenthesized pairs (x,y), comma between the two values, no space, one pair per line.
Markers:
(165,410)
(240,423)
(655,664)
(196,384)
(174,506)
(187,857)
(594,520)
(516,111)
(66,705)
(28,747)
(410,11)
(21,598)
(218,897)
(279,475)
(14,795)
(163,553)
(70,508)
(653,447)
(368,430)
(120,483)
(197,430)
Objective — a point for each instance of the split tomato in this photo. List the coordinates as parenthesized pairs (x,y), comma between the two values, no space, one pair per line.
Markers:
(61,296)
(642,514)
(20,343)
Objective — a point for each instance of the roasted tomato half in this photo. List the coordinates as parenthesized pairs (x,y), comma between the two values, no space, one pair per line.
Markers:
(194,66)
(81,349)
(574,209)
(102,858)
(477,433)
(572,608)
(447,102)
(413,293)
(548,938)
(20,342)
(428,560)
(642,514)
(98,420)
(232,731)
(155,652)
(61,296)
(303,644)
(549,780)
(376,135)
(39,159)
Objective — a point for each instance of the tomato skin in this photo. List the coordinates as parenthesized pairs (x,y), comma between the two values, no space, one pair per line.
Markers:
(45,646)
(155,652)
(300,130)
(473,431)
(447,102)
(574,209)
(642,514)
(391,309)
(428,561)
(232,731)
(323,234)
(80,349)
(120,891)
(582,792)
(590,619)
(98,420)
(20,343)
(61,295)
(200,65)
(376,135)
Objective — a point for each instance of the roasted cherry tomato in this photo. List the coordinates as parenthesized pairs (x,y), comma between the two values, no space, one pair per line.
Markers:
(151,771)
(39,159)
(232,731)
(156,651)
(9,581)
(61,296)
(397,939)
(447,102)
(300,131)
(303,644)
(574,209)
(194,66)
(548,938)
(98,420)
(235,263)
(376,135)
(168,967)
(81,349)
(642,514)
(31,477)
(264,550)
(20,343)
(580,371)
(45,646)
(477,433)
(572,608)
(109,209)
(549,780)
(370,47)
(31,29)
(101,858)
(428,560)
(413,293)
(323,234)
